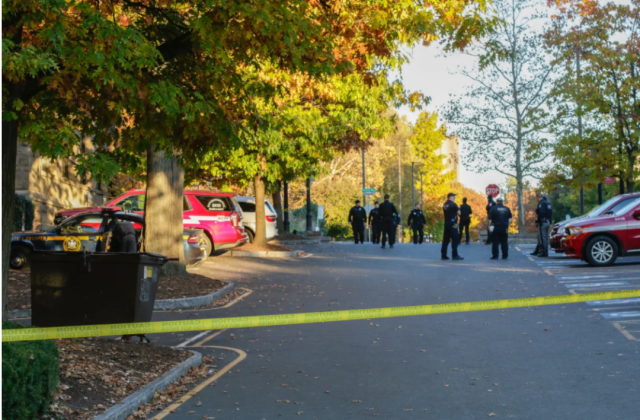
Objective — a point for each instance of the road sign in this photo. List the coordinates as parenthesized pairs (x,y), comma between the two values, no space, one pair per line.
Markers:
(493,189)
(368,208)
(609,180)
(368,191)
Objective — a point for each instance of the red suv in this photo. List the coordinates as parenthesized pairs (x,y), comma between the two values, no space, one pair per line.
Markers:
(218,214)
(601,240)
(556,241)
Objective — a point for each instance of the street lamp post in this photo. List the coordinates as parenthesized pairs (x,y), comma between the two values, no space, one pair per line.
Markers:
(413,184)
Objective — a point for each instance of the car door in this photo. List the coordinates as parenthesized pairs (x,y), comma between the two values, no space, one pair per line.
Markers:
(633,229)
(80,233)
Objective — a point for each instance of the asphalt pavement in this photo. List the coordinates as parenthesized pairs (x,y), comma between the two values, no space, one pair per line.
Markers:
(551,362)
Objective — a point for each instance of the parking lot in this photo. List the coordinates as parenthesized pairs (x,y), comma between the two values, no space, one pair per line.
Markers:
(578,277)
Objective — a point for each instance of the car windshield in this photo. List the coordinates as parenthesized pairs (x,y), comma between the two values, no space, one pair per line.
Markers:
(598,210)
(87,223)
(626,209)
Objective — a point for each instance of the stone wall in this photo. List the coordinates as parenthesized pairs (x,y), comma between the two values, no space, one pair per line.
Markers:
(54,185)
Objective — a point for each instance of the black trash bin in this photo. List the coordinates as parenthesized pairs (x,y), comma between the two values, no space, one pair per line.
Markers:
(72,288)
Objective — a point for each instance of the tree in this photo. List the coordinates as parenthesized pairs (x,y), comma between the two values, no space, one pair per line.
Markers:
(597,47)
(502,119)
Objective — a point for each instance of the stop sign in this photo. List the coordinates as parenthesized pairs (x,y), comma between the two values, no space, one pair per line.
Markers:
(493,189)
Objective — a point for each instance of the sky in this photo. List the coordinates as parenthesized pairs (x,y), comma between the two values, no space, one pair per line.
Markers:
(436,75)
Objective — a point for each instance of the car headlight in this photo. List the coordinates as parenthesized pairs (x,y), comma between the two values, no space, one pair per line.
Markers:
(571,230)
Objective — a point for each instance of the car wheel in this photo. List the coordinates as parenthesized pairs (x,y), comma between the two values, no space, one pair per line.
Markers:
(601,251)
(208,245)
(18,259)
(250,236)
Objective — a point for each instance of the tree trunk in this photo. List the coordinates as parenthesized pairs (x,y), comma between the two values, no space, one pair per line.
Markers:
(163,209)
(9,154)
(277,205)
(630,180)
(522,227)
(260,238)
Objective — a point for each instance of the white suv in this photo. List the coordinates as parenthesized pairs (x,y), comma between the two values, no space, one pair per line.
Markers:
(248,206)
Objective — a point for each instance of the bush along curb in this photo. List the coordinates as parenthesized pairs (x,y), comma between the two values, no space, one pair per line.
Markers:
(193,302)
(131,403)
(264,254)
(160,305)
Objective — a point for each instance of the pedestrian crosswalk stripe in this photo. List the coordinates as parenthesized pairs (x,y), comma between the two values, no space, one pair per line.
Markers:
(28,334)
(605,284)
(617,315)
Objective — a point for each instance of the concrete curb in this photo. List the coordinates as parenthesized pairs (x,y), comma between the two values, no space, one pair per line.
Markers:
(315,241)
(131,403)
(264,254)
(159,305)
(193,302)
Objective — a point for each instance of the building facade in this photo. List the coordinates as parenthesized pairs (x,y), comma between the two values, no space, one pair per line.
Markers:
(54,185)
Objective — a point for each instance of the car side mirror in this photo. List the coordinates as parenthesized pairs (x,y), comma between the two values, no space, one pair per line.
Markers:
(636,214)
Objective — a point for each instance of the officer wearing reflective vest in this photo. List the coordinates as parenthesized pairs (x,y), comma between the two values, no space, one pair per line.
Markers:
(417,222)
(499,221)
(543,221)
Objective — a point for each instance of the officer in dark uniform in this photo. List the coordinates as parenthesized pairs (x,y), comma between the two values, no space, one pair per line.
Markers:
(543,221)
(417,222)
(123,237)
(357,219)
(451,213)
(375,223)
(490,204)
(388,213)
(499,221)
(465,219)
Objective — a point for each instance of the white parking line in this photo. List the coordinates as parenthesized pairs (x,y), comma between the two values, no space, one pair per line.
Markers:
(613,301)
(194,338)
(583,277)
(605,284)
(617,315)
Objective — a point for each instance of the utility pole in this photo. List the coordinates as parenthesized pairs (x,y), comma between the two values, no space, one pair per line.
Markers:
(399,231)
(364,196)
(413,188)
(286,223)
(309,214)
(578,52)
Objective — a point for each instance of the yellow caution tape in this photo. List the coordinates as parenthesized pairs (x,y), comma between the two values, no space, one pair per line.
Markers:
(27,334)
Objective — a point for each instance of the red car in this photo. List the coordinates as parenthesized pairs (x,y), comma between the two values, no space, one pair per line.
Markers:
(218,214)
(556,238)
(601,240)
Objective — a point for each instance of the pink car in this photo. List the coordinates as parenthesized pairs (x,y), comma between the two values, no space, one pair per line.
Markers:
(218,214)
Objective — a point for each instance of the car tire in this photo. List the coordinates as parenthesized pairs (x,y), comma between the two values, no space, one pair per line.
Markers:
(250,236)
(19,257)
(208,244)
(601,251)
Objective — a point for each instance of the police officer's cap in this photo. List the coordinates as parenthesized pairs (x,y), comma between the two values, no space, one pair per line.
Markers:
(539,194)
(357,201)
(499,200)
(386,196)
(451,195)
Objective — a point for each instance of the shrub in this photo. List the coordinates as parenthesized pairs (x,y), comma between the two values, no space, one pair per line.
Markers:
(30,375)
(24,213)
(338,231)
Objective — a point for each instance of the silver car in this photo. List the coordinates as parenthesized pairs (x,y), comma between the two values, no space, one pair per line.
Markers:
(248,206)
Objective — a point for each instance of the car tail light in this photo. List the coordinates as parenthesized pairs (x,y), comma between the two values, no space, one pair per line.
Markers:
(271,219)
(234,219)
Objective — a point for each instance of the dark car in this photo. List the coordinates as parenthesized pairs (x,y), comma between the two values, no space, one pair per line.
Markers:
(91,232)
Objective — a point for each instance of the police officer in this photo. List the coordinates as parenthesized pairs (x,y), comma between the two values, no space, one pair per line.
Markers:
(417,222)
(123,237)
(357,219)
(451,213)
(375,223)
(490,204)
(388,213)
(543,221)
(465,219)
(499,221)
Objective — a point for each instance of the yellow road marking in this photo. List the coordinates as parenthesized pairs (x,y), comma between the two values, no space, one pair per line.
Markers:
(206,339)
(624,331)
(548,272)
(27,334)
(242,355)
